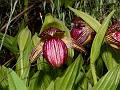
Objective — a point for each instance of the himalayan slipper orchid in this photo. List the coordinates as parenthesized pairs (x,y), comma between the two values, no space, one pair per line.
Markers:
(81,34)
(52,46)
(113,36)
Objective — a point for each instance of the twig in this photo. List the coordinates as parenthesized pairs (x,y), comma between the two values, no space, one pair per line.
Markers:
(9,21)
(18,16)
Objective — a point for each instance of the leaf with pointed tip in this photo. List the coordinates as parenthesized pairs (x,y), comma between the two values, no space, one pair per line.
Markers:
(15,83)
(67,81)
(25,46)
(110,81)
(108,56)
(23,37)
(87,18)
(95,50)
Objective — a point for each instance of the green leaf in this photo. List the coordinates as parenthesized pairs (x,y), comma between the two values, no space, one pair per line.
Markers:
(15,83)
(35,39)
(110,81)
(3,78)
(25,46)
(39,81)
(42,64)
(87,18)
(10,43)
(51,86)
(100,67)
(67,81)
(108,56)
(79,80)
(23,36)
(95,50)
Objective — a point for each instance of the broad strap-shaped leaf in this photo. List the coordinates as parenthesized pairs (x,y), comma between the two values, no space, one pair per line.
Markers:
(67,81)
(95,50)
(87,18)
(109,56)
(23,36)
(15,83)
(25,46)
(110,81)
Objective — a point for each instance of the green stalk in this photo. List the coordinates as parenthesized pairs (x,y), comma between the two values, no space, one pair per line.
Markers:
(92,66)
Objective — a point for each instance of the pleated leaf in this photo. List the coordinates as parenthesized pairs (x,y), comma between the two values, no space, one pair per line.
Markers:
(67,81)
(95,50)
(108,56)
(15,83)
(23,37)
(110,81)
(25,46)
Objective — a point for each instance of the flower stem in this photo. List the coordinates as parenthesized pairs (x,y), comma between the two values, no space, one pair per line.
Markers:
(92,66)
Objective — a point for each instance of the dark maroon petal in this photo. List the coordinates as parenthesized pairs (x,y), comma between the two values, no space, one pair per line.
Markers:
(55,52)
(75,33)
(50,32)
(77,22)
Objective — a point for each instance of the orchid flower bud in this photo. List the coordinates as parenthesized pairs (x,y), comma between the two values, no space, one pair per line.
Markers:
(81,33)
(55,51)
(113,36)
